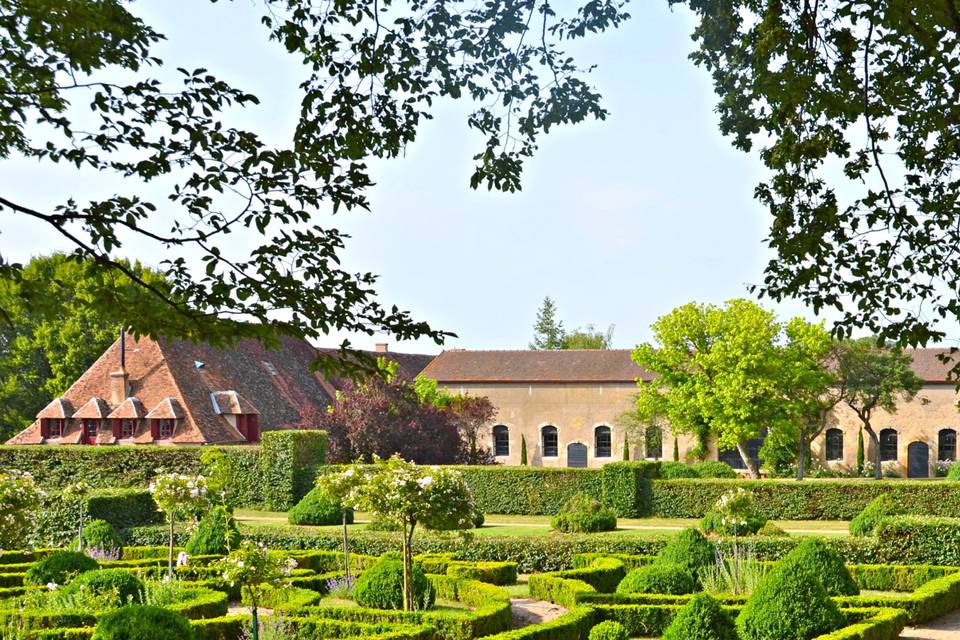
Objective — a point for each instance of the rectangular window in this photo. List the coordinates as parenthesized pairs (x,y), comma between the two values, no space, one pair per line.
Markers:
(90,428)
(602,444)
(166,428)
(128,428)
(57,427)
(501,441)
(550,446)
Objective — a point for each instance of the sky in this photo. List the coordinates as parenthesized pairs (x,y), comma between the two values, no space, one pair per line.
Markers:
(619,221)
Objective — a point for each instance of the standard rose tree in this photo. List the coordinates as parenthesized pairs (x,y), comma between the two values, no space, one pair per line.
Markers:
(255,570)
(178,496)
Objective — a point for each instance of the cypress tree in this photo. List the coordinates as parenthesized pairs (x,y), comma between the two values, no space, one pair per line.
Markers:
(626,447)
(860,452)
(523,451)
(676,450)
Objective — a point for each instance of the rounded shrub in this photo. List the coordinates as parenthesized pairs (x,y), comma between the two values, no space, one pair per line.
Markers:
(211,534)
(584,514)
(673,470)
(714,469)
(689,549)
(318,508)
(100,534)
(826,564)
(701,619)
(381,586)
(770,529)
(58,568)
(879,508)
(790,603)
(670,579)
(128,587)
(608,630)
(138,622)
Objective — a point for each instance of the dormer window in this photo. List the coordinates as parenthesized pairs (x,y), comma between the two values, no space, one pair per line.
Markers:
(128,428)
(165,428)
(54,427)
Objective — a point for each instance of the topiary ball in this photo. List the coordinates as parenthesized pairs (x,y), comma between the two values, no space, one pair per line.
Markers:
(319,509)
(771,529)
(58,568)
(701,619)
(128,587)
(608,630)
(672,470)
(211,534)
(100,535)
(714,469)
(826,564)
(584,514)
(789,603)
(689,549)
(878,509)
(381,586)
(670,579)
(138,622)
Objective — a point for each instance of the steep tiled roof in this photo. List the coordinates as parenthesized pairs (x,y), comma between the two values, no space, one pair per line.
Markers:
(168,409)
(130,409)
(95,409)
(58,408)
(574,365)
(928,366)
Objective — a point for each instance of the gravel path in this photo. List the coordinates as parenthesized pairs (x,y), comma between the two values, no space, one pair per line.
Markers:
(527,612)
(945,628)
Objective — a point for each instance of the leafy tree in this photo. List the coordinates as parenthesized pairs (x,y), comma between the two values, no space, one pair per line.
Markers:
(471,414)
(548,332)
(19,500)
(256,571)
(57,315)
(80,85)
(870,87)
(339,486)
(874,377)
(177,496)
(588,338)
(407,495)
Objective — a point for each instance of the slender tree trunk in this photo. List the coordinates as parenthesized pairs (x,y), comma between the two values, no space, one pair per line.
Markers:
(802,449)
(747,460)
(346,546)
(875,439)
(170,550)
(80,531)
(407,570)
(253,614)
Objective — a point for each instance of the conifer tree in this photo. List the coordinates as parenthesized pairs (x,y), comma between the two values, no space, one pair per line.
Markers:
(676,450)
(548,332)
(860,455)
(626,447)
(523,451)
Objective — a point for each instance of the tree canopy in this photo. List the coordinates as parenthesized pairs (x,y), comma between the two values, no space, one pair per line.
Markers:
(855,105)
(549,333)
(81,86)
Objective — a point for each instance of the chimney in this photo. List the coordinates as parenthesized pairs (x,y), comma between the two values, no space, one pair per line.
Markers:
(119,378)
(382,347)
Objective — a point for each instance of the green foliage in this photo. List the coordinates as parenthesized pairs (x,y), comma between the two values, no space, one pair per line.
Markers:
(19,499)
(920,540)
(57,520)
(288,462)
(588,337)
(608,630)
(954,473)
(140,622)
(216,533)
(318,508)
(770,529)
(626,487)
(879,508)
(790,603)
(689,549)
(674,470)
(548,332)
(673,579)
(701,618)
(626,447)
(523,450)
(381,586)
(100,534)
(734,513)
(676,449)
(127,586)
(860,452)
(826,564)
(714,469)
(380,523)
(528,490)
(583,514)
(59,568)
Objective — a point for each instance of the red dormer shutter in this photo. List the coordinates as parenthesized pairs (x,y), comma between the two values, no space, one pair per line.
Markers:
(44,428)
(116,427)
(242,424)
(253,428)
(155,429)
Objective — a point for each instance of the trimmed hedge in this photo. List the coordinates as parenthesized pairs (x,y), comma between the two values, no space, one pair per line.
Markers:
(528,490)
(123,508)
(627,487)
(288,463)
(920,540)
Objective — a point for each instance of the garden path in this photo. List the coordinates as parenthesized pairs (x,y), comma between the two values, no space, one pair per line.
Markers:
(527,612)
(944,628)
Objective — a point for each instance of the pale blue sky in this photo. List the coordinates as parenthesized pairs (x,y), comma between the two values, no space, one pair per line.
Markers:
(619,221)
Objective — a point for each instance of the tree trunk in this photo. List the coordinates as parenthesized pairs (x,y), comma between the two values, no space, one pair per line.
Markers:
(407,569)
(747,460)
(170,551)
(80,531)
(802,456)
(346,547)
(875,439)
(253,614)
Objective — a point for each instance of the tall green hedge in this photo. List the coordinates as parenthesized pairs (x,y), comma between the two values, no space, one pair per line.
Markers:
(627,487)
(288,463)
(57,521)
(529,490)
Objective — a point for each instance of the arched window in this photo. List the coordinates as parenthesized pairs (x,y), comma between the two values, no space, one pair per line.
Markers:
(501,440)
(653,442)
(888,445)
(601,442)
(947,445)
(548,435)
(834,444)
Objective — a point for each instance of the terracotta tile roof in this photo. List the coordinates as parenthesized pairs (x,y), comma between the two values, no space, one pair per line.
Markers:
(131,408)
(928,366)
(168,409)
(409,365)
(95,409)
(58,408)
(231,403)
(567,366)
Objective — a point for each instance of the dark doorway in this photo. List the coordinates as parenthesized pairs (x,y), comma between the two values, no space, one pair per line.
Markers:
(576,455)
(918,460)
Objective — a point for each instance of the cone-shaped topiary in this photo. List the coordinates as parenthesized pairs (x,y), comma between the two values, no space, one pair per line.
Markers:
(317,508)
(381,586)
(701,619)
(689,549)
(139,622)
(788,604)
(211,534)
(59,568)
(868,519)
(827,565)
(671,579)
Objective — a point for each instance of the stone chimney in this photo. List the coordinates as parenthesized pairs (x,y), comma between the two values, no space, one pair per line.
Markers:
(382,347)
(119,385)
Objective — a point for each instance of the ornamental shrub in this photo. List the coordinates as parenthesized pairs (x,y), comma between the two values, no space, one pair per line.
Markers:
(58,568)
(770,529)
(701,619)
(689,549)
(674,470)
(379,523)
(381,586)
(100,534)
(128,587)
(733,514)
(826,564)
(584,514)
(790,603)
(868,519)
(671,579)
(138,622)
(212,532)
(608,630)
(714,469)
(318,508)
(954,472)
